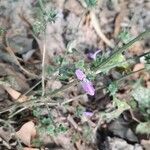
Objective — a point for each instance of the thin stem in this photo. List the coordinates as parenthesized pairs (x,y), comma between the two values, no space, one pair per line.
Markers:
(122,49)
(43,65)
(98,29)
(13,130)
(41,5)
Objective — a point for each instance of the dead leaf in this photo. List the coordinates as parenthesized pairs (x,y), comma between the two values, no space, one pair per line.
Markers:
(74,7)
(142,73)
(136,49)
(119,19)
(146,144)
(15,94)
(54,85)
(26,133)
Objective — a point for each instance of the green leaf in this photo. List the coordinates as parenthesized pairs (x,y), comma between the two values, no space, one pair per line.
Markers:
(117,61)
(147,58)
(143,128)
(66,72)
(91,3)
(121,107)
(2,31)
(113,88)
(80,64)
(50,69)
(125,36)
(51,15)
(147,66)
(46,121)
(39,27)
(79,111)
(142,96)
(61,129)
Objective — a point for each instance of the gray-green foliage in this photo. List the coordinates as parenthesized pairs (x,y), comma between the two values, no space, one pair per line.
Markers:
(79,111)
(39,27)
(47,125)
(147,59)
(143,128)
(80,64)
(113,88)
(125,36)
(43,16)
(66,72)
(117,61)
(142,96)
(91,3)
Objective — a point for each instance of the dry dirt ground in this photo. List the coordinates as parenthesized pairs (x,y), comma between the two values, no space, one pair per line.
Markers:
(27,120)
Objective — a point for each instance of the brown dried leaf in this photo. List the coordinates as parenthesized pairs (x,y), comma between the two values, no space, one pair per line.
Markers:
(136,49)
(26,133)
(118,22)
(54,85)
(74,6)
(146,144)
(15,94)
(142,73)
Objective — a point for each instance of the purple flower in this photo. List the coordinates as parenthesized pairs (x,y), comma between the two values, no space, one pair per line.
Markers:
(86,84)
(88,87)
(92,55)
(80,75)
(88,114)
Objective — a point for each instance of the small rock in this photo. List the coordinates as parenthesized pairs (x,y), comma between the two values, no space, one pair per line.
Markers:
(120,144)
(54,85)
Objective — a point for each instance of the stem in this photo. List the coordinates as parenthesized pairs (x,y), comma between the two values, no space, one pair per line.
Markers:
(98,29)
(41,6)
(43,64)
(122,49)
(13,130)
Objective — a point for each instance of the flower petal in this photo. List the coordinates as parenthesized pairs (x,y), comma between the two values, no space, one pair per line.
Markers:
(93,55)
(88,114)
(88,87)
(80,75)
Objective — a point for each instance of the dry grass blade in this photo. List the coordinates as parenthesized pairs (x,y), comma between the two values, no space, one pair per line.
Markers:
(98,29)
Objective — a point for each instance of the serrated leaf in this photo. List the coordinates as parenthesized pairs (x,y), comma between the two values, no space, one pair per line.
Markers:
(143,128)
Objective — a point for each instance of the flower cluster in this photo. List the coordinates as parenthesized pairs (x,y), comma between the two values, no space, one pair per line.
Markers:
(86,84)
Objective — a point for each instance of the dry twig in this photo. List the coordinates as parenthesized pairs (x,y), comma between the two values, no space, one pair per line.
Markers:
(98,29)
